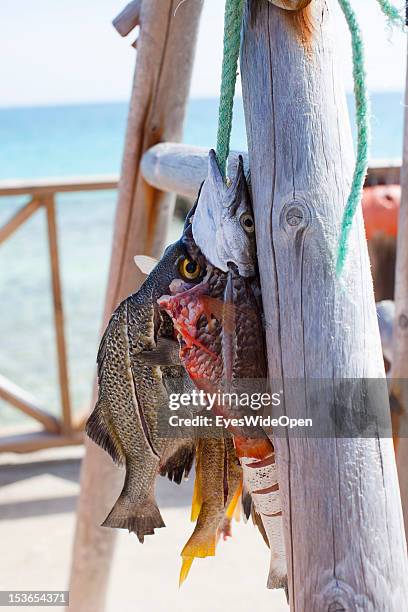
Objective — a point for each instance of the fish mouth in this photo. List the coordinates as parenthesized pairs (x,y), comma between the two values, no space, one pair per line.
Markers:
(184,305)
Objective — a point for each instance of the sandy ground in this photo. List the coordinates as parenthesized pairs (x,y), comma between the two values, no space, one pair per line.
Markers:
(38,496)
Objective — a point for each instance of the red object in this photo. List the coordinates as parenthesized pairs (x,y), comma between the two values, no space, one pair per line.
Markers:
(380,210)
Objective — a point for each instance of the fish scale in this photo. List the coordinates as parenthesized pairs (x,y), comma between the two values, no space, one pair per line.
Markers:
(133,400)
(225,351)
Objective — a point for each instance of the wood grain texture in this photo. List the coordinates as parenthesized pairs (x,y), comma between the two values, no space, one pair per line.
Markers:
(344,530)
(179,168)
(156,113)
(399,386)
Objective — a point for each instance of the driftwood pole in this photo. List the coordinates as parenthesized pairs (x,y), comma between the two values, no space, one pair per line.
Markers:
(342,511)
(399,386)
(162,78)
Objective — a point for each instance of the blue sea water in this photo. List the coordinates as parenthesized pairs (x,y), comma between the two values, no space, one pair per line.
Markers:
(82,140)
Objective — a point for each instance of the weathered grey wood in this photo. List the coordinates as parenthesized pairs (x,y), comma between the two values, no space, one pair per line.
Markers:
(344,529)
(181,168)
(129,18)
(157,109)
(399,386)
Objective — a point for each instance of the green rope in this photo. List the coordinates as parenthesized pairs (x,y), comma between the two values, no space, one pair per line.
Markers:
(363,131)
(232,41)
(391,12)
(362,112)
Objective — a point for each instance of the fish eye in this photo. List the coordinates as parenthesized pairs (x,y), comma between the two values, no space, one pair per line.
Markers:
(247,223)
(189,269)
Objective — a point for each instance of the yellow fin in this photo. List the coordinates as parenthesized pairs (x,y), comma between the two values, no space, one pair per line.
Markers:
(234,504)
(185,568)
(197,500)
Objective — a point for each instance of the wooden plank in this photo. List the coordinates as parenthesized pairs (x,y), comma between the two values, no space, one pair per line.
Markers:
(128,19)
(18,219)
(58,315)
(399,370)
(31,442)
(181,168)
(344,531)
(25,402)
(50,186)
(157,109)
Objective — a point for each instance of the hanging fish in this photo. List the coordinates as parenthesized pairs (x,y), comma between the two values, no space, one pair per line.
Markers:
(217,490)
(220,325)
(133,396)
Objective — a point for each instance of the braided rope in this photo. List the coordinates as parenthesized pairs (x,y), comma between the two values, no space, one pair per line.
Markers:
(363,132)
(232,41)
(391,12)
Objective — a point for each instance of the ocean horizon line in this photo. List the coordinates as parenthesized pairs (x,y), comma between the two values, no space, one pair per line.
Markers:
(73,104)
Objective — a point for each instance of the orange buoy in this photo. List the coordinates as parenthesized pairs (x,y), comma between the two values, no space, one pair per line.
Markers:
(380,210)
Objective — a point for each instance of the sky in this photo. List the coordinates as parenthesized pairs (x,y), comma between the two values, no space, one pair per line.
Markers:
(66,51)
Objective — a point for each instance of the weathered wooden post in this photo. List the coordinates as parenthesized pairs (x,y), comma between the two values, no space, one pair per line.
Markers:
(344,529)
(157,109)
(399,386)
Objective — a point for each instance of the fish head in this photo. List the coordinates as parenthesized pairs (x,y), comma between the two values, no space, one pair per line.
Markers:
(222,223)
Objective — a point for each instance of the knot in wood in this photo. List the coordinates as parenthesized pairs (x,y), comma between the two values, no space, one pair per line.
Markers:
(294,215)
(403,321)
(336,606)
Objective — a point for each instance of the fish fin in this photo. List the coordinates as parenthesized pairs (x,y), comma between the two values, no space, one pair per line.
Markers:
(97,429)
(185,568)
(166,353)
(140,518)
(246,503)
(145,263)
(233,503)
(197,500)
(179,464)
(257,520)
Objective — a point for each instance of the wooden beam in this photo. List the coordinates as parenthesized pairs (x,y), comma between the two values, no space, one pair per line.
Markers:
(58,314)
(345,539)
(18,219)
(128,19)
(181,168)
(11,393)
(31,442)
(178,168)
(157,109)
(399,370)
(50,186)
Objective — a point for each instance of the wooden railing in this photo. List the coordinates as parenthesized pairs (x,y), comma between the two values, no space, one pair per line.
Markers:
(64,429)
(168,167)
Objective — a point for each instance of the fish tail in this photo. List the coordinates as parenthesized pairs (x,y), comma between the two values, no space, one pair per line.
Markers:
(200,544)
(185,568)
(141,518)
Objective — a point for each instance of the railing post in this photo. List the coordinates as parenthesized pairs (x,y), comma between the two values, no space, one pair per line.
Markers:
(49,203)
(164,63)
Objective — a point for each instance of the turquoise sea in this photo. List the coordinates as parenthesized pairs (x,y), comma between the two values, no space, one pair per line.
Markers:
(82,140)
